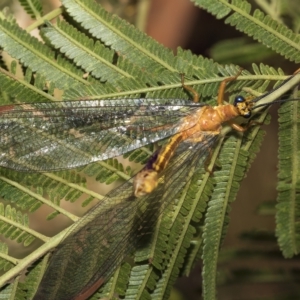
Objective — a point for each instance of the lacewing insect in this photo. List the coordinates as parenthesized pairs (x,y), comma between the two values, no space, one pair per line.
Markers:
(76,133)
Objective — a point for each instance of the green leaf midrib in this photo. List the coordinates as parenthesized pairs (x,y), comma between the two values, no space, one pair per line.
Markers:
(188,218)
(92,54)
(36,51)
(126,38)
(38,197)
(236,9)
(295,175)
(186,82)
(215,219)
(28,85)
(24,228)
(9,258)
(29,259)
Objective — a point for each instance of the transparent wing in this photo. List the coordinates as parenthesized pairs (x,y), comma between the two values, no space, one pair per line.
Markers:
(69,134)
(101,240)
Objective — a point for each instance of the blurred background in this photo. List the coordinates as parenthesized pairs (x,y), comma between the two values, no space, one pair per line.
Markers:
(251,265)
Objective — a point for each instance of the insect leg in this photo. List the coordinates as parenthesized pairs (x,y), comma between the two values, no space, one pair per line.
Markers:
(297,71)
(244,128)
(190,89)
(222,87)
(221,91)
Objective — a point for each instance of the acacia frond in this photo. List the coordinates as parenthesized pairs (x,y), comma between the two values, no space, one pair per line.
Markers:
(33,8)
(256,24)
(287,209)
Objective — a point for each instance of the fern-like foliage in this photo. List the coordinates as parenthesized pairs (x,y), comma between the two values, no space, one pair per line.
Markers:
(33,8)
(288,188)
(94,55)
(37,56)
(257,25)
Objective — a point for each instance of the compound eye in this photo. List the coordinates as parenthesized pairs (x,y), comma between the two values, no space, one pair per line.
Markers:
(238,99)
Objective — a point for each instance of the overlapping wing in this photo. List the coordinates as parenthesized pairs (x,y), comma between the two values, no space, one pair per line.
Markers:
(101,240)
(68,134)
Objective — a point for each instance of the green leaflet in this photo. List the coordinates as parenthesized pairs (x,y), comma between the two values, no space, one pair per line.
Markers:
(257,25)
(115,33)
(287,209)
(92,57)
(32,7)
(36,55)
(5,263)
(234,158)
